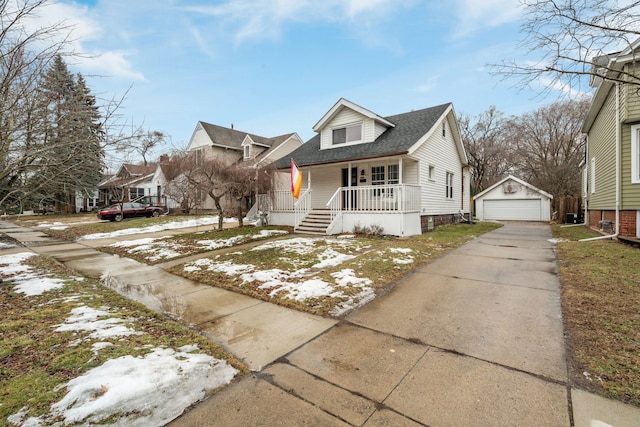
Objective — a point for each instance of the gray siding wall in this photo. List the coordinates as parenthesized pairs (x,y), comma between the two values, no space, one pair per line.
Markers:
(602,139)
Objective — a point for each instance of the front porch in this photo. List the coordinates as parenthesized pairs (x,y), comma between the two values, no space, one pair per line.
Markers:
(395,209)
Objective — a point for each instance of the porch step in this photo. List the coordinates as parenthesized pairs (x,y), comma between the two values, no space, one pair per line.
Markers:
(315,223)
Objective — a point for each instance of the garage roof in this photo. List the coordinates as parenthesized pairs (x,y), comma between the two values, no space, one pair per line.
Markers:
(518,180)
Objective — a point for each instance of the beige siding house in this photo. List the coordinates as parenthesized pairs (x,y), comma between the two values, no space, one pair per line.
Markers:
(233,146)
(611,175)
(402,174)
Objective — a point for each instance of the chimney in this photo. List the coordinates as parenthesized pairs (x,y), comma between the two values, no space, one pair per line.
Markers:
(231,125)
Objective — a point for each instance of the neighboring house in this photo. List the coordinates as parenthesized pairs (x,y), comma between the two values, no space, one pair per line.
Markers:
(512,199)
(611,174)
(403,174)
(136,183)
(232,146)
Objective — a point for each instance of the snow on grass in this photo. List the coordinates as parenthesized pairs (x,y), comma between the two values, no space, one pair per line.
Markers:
(151,389)
(85,318)
(301,284)
(171,225)
(163,248)
(26,280)
(408,259)
(148,390)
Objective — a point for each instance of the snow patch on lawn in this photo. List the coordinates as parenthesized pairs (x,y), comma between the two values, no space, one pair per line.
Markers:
(172,225)
(301,284)
(26,280)
(85,318)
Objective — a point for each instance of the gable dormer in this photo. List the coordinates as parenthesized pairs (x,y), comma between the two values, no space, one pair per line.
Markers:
(247,148)
(347,123)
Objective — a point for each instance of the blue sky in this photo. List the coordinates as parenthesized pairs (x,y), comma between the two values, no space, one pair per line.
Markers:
(276,66)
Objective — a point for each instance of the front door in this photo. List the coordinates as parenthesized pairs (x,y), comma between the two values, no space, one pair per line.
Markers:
(349,198)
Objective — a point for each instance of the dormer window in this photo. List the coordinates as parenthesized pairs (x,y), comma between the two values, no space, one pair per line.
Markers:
(350,133)
(247,151)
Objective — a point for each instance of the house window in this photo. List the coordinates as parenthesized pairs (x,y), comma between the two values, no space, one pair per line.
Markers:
(593,175)
(635,154)
(199,157)
(247,151)
(351,133)
(449,187)
(432,172)
(444,128)
(394,174)
(377,175)
(136,193)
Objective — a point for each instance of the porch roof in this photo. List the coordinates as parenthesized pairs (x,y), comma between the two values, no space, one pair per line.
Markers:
(409,128)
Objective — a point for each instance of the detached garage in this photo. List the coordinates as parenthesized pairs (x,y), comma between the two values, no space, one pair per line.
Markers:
(512,199)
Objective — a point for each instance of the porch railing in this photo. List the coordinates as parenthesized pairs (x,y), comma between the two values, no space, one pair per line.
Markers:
(371,199)
(374,199)
(302,207)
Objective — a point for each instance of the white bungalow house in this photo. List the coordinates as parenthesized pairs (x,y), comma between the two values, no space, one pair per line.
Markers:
(404,174)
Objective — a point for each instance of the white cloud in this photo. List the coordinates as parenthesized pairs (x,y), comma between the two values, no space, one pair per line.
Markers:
(77,29)
(474,15)
(257,19)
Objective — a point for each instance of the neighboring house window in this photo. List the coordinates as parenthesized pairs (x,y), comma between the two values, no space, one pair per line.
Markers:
(635,154)
(449,187)
(593,175)
(247,151)
(432,172)
(351,133)
(199,157)
(136,193)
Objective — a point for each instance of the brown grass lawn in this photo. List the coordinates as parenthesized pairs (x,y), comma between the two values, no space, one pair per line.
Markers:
(601,309)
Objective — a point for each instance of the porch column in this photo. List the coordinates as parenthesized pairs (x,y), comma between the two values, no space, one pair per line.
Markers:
(400,171)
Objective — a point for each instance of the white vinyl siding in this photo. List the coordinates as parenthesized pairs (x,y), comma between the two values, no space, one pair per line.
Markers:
(440,154)
(370,130)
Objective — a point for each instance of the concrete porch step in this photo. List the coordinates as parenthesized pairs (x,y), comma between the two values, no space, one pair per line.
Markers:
(316,222)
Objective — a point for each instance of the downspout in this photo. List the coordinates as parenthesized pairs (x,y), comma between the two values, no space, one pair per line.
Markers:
(618,162)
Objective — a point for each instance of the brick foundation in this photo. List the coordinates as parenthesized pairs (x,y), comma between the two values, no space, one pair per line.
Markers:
(438,220)
(627,221)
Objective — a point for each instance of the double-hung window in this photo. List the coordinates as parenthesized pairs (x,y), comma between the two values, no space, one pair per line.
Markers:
(635,154)
(449,185)
(350,133)
(136,193)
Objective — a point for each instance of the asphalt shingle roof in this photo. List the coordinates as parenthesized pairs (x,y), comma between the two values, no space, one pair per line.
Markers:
(409,128)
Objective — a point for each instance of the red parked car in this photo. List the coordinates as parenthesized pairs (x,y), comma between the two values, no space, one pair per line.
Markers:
(129,210)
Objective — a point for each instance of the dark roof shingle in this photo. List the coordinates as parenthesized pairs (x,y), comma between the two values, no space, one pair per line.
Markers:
(409,128)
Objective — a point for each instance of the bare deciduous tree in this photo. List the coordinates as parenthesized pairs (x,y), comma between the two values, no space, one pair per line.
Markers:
(239,182)
(489,149)
(564,39)
(550,146)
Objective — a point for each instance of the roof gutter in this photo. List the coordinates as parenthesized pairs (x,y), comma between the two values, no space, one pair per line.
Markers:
(618,162)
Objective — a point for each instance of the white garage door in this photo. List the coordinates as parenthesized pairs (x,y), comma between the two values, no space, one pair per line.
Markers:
(513,209)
